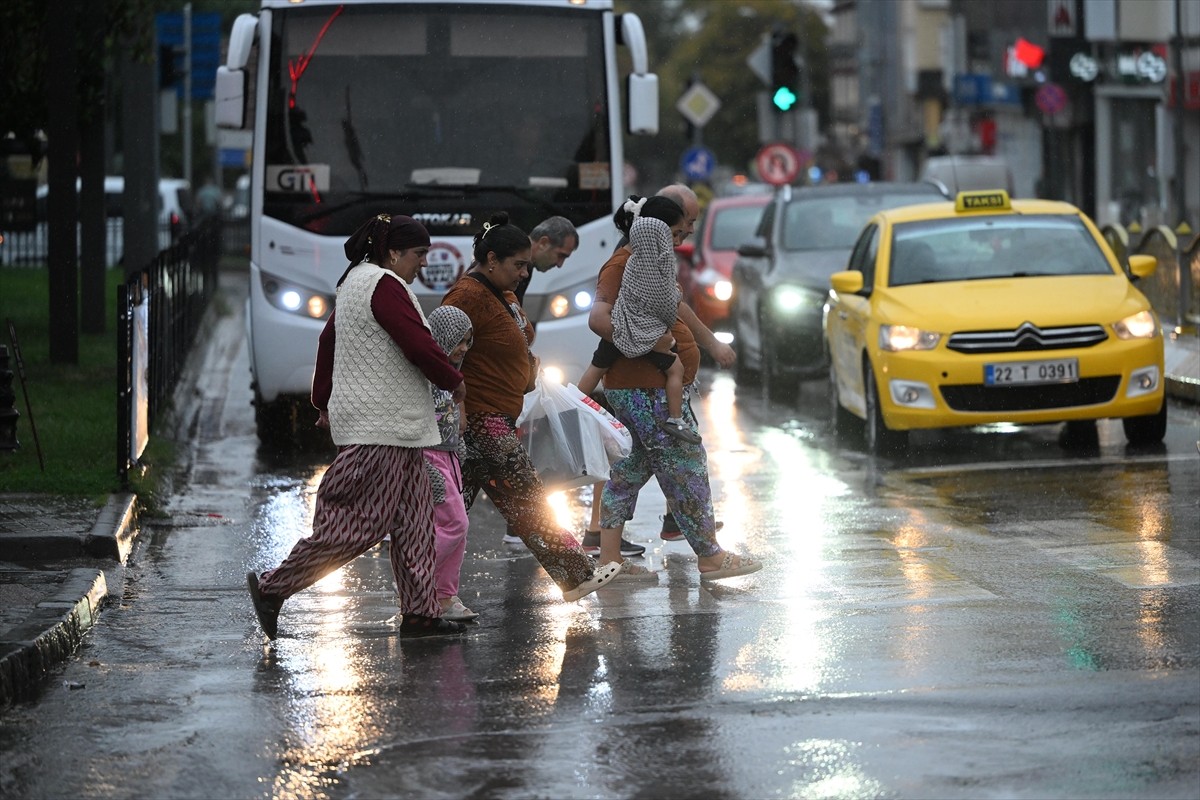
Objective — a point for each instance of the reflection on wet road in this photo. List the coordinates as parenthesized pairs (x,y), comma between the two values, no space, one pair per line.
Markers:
(992,617)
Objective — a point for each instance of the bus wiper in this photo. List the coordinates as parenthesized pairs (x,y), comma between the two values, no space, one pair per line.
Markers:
(520,192)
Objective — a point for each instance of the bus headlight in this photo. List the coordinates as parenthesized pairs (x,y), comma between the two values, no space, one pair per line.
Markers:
(573,300)
(296,299)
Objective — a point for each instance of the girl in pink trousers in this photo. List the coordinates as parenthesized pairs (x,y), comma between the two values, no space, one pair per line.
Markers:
(451,328)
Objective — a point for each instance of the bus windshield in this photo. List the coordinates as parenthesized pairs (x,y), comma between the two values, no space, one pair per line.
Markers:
(445,115)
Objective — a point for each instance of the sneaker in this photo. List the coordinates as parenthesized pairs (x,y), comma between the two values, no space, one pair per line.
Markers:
(670,528)
(591,545)
(457,612)
(512,539)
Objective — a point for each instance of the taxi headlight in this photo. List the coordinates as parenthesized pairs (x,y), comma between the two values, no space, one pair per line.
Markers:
(1141,325)
(296,299)
(895,338)
(573,300)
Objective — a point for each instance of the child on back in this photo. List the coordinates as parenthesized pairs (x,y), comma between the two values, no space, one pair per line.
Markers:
(451,329)
(647,305)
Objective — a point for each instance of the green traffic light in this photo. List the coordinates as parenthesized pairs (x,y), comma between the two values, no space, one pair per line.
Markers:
(784,98)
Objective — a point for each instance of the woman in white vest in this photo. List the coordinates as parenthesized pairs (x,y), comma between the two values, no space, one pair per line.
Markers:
(372,391)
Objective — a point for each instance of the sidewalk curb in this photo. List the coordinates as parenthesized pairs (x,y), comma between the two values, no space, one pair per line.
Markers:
(113,534)
(51,634)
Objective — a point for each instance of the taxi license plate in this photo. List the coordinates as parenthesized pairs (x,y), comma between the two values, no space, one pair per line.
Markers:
(1016,373)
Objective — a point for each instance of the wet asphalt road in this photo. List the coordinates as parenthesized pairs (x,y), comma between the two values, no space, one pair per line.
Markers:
(995,617)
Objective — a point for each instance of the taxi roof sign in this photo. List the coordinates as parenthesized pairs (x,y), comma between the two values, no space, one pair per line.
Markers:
(990,200)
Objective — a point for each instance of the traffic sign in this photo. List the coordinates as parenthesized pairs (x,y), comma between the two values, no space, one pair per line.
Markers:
(1050,99)
(697,163)
(778,163)
(698,104)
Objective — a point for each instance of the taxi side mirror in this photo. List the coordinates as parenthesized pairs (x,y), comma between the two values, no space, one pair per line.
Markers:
(1142,266)
(847,282)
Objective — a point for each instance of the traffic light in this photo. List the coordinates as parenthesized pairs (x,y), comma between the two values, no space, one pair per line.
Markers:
(168,75)
(785,74)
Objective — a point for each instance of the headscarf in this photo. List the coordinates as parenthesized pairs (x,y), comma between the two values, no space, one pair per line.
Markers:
(448,324)
(650,240)
(381,233)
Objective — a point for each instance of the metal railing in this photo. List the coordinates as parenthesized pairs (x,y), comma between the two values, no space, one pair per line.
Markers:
(178,286)
(1174,287)
(28,248)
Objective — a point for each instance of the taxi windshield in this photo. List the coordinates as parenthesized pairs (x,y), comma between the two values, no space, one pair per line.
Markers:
(979,247)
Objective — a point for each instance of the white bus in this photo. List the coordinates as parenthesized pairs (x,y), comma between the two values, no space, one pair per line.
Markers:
(446,112)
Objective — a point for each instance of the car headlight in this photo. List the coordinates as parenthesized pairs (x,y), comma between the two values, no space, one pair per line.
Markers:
(714,284)
(1141,325)
(296,299)
(573,300)
(791,300)
(895,338)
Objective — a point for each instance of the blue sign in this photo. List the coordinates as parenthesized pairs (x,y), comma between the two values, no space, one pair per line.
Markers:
(206,48)
(697,163)
(972,88)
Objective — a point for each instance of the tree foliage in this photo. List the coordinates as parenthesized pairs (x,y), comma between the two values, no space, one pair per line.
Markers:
(709,40)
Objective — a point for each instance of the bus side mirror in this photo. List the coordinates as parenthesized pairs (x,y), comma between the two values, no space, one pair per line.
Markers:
(641,88)
(642,94)
(230,98)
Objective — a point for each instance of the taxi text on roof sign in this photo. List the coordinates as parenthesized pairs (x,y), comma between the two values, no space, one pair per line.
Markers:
(982,201)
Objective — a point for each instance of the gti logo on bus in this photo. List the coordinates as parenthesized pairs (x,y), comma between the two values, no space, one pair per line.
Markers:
(443,266)
(298,177)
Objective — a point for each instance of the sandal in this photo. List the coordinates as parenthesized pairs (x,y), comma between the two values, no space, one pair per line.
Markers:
(600,576)
(633,573)
(457,612)
(415,625)
(732,566)
(680,431)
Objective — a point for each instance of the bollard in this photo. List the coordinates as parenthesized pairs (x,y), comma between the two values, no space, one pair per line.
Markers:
(8,411)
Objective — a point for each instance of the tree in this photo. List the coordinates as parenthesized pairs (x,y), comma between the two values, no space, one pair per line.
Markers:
(55,87)
(711,39)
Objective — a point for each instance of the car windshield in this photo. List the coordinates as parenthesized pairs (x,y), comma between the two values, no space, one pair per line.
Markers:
(734,226)
(1002,246)
(833,222)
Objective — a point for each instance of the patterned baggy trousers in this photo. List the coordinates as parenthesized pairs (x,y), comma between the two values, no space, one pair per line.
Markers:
(496,462)
(370,492)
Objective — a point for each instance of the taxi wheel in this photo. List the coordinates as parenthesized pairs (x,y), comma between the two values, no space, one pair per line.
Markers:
(880,439)
(1149,429)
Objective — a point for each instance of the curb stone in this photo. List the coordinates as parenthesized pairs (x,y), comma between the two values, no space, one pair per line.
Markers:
(50,634)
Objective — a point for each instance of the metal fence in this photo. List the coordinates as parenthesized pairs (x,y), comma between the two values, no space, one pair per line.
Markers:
(28,248)
(178,285)
(1174,288)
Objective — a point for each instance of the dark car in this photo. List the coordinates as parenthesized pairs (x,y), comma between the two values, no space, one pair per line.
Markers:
(781,280)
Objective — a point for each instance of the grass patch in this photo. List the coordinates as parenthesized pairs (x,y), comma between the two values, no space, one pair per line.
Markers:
(74,406)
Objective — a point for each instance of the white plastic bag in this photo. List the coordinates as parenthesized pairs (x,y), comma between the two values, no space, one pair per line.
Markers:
(565,437)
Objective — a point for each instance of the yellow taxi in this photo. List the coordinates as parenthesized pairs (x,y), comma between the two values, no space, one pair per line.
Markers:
(990,310)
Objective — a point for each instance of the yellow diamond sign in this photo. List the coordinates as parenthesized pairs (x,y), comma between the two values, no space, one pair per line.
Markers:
(698,104)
